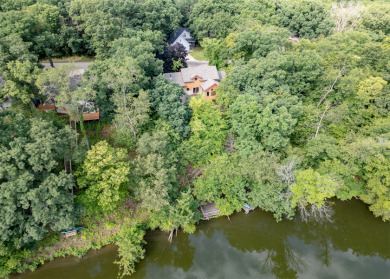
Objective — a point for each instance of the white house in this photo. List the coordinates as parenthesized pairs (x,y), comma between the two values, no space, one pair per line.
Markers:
(182,36)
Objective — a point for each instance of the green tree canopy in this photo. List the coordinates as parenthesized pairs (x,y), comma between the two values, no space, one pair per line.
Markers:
(223,184)
(264,121)
(208,132)
(19,81)
(184,213)
(140,50)
(257,42)
(369,158)
(310,192)
(155,168)
(103,21)
(292,72)
(306,19)
(269,183)
(377,18)
(104,176)
(166,101)
(36,196)
(131,239)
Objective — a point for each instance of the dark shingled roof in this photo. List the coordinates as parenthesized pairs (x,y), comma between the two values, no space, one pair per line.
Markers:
(176,34)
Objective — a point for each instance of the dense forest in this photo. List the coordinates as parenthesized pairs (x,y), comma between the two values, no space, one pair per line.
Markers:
(301,118)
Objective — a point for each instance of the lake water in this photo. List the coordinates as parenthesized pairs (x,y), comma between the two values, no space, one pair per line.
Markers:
(355,245)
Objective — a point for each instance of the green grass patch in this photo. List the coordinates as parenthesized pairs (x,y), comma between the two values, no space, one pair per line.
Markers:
(198,54)
(68,59)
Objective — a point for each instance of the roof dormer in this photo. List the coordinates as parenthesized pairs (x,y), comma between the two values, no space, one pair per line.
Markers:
(196,77)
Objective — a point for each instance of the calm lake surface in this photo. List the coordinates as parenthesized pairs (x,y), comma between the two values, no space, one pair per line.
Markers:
(355,245)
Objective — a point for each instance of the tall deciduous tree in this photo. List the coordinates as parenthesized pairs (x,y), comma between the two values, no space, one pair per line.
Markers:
(104,176)
(310,192)
(13,48)
(166,101)
(20,80)
(131,113)
(124,76)
(369,158)
(266,120)
(155,169)
(223,184)
(208,132)
(48,21)
(130,251)
(184,213)
(174,57)
(214,18)
(257,42)
(306,19)
(269,183)
(377,18)
(139,49)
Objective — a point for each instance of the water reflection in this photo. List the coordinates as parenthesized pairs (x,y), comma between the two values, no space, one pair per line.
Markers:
(355,245)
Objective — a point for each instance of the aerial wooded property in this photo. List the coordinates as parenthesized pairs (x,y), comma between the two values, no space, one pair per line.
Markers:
(227,134)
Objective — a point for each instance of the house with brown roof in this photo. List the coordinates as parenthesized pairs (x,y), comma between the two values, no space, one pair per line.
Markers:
(203,79)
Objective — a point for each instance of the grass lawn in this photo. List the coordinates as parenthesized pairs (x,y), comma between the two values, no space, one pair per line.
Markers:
(70,59)
(197,53)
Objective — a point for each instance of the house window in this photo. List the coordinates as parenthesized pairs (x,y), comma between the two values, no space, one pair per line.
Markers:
(196,79)
(208,93)
(184,35)
(188,89)
(195,90)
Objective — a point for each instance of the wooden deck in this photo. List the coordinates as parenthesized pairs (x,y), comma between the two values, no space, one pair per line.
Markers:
(86,116)
(91,116)
(47,107)
(209,210)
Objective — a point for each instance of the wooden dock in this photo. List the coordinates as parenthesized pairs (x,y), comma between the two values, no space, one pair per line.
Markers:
(247,209)
(69,233)
(209,210)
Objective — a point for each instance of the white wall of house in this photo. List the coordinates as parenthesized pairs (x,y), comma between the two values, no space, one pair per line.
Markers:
(182,40)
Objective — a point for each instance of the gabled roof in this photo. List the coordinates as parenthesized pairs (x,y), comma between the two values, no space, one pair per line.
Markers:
(208,83)
(175,77)
(177,33)
(204,71)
